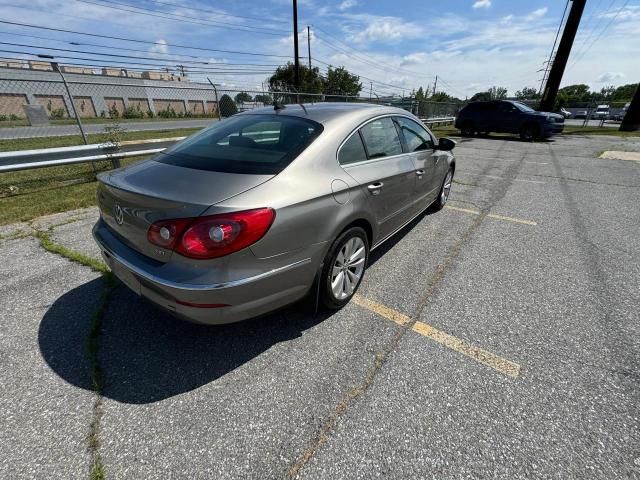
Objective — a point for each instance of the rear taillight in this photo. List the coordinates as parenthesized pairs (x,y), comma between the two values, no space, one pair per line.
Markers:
(212,236)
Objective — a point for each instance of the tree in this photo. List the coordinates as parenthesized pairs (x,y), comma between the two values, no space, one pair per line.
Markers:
(266,99)
(497,93)
(420,94)
(340,81)
(243,97)
(283,79)
(442,97)
(527,93)
(576,93)
(624,93)
(494,93)
(227,106)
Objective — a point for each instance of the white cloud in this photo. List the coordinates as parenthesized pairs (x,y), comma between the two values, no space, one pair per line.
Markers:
(539,13)
(160,47)
(346,4)
(383,29)
(608,77)
(482,4)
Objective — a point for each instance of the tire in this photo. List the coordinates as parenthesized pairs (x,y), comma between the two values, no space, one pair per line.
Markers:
(467,130)
(443,195)
(340,280)
(529,133)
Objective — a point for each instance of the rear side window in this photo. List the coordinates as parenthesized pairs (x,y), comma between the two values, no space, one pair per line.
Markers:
(381,138)
(252,144)
(352,151)
(416,138)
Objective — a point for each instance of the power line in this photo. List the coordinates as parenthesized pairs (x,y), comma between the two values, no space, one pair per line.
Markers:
(46,57)
(134,56)
(601,33)
(183,18)
(236,52)
(553,48)
(215,12)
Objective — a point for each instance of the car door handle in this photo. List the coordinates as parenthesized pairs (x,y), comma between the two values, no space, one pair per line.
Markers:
(419,173)
(374,188)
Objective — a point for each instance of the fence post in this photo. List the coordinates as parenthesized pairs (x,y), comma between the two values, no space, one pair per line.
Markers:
(215,91)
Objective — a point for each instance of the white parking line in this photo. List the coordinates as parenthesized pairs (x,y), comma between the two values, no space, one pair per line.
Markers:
(493,215)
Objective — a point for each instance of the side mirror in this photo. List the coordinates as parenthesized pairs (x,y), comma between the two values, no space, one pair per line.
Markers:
(446,144)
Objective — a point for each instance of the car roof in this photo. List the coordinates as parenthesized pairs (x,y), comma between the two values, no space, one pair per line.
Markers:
(326,112)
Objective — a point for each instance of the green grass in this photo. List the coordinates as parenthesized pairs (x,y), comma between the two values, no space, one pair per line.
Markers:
(29,194)
(7,145)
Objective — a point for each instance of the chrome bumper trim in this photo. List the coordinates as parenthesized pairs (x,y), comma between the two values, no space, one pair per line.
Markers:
(190,286)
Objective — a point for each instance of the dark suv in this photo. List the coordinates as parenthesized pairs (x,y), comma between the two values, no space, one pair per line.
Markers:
(506,116)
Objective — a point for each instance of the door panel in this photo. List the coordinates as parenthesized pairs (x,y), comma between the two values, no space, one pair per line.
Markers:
(506,118)
(387,176)
(420,147)
(388,184)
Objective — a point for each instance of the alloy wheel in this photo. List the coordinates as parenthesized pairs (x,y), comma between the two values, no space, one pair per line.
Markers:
(348,268)
(446,188)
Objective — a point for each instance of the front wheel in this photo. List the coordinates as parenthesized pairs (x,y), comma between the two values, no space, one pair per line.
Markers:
(445,190)
(529,133)
(344,267)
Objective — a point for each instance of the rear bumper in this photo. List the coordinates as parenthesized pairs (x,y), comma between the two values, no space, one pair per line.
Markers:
(274,284)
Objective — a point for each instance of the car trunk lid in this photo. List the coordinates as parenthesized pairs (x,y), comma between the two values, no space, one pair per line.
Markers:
(131,199)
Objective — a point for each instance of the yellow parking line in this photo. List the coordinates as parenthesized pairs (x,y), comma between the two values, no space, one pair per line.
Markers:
(492,215)
(502,365)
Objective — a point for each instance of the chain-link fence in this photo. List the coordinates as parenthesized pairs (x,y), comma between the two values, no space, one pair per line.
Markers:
(61,106)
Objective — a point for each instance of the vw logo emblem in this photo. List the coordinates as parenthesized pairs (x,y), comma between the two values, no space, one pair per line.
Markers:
(118,214)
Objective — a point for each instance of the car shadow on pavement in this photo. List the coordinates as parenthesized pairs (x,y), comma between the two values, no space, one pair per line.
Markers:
(146,355)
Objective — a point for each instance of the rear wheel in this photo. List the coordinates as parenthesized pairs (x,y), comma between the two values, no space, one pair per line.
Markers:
(445,190)
(467,129)
(529,133)
(344,267)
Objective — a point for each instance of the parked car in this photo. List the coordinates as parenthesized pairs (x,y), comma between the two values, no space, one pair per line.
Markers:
(601,112)
(565,113)
(243,217)
(581,114)
(507,116)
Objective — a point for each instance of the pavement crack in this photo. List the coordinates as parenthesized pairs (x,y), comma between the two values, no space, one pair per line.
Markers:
(97,470)
(381,357)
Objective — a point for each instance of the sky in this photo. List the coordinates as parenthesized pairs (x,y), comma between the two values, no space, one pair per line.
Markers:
(395,46)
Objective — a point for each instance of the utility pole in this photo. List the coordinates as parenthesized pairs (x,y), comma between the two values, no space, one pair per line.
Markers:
(562,56)
(435,84)
(370,90)
(309,45)
(181,67)
(631,120)
(295,46)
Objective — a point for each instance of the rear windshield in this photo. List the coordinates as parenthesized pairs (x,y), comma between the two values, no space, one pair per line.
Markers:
(253,144)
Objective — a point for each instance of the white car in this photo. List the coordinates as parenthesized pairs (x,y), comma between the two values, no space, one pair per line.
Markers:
(565,113)
(602,112)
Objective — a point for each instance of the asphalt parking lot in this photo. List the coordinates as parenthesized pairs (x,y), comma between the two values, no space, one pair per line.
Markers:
(498,338)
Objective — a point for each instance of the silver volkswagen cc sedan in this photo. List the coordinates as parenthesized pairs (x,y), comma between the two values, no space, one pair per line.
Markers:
(246,215)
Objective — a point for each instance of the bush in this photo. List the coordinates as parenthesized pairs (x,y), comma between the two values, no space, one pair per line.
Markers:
(13,117)
(168,112)
(132,112)
(57,113)
(227,106)
(150,114)
(113,111)
(3,118)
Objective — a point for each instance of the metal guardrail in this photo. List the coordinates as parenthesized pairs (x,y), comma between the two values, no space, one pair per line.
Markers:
(430,122)
(50,157)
